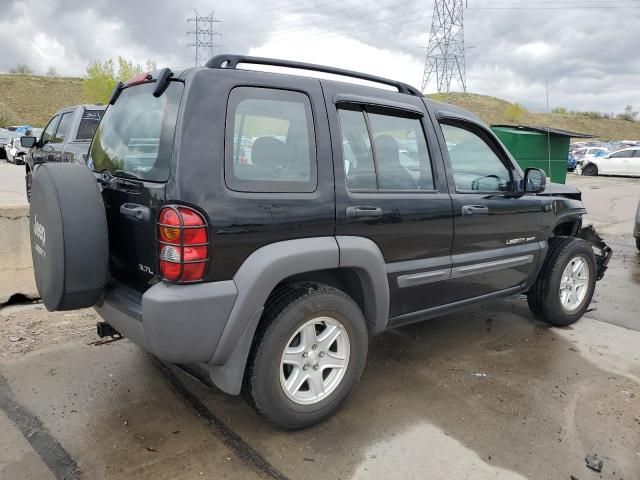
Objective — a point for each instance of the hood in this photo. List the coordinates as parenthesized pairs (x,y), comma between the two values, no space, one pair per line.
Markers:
(560,190)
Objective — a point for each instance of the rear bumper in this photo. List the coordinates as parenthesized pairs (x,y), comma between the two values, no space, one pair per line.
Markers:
(177,323)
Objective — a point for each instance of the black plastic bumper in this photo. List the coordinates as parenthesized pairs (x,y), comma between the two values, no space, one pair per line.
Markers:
(601,249)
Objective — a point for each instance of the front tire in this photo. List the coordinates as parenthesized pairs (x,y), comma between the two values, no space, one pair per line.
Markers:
(564,288)
(590,170)
(638,243)
(310,350)
(28,181)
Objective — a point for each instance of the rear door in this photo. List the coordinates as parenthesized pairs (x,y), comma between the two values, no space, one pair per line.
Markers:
(391,189)
(131,152)
(498,231)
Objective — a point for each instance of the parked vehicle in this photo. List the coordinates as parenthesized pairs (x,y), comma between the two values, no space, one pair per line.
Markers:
(636,228)
(15,152)
(66,138)
(273,275)
(624,162)
(589,152)
(6,136)
(571,163)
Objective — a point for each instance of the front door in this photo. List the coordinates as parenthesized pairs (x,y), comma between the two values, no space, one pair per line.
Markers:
(45,148)
(391,189)
(617,163)
(498,232)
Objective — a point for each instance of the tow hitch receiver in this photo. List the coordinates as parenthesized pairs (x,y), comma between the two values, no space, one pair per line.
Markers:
(601,249)
(103,329)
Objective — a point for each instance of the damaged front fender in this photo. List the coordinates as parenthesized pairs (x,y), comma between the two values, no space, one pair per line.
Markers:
(602,251)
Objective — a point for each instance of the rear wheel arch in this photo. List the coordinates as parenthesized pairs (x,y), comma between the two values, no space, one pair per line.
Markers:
(353,265)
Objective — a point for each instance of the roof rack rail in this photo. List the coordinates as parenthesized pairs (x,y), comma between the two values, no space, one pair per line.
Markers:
(232,61)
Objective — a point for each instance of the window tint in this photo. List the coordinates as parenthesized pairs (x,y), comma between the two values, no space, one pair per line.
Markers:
(63,127)
(623,154)
(136,134)
(476,167)
(47,135)
(400,148)
(88,124)
(356,151)
(270,143)
(399,159)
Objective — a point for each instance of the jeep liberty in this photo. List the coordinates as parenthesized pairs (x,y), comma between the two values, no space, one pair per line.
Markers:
(266,225)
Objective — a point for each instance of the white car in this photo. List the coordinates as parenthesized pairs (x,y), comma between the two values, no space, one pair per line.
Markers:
(15,152)
(587,152)
(621,162)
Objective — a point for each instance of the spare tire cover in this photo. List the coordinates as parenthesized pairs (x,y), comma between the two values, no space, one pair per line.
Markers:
(69,237)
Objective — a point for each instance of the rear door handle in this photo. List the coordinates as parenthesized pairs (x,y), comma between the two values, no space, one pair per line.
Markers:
(475,210)
(363,212)
(135,211)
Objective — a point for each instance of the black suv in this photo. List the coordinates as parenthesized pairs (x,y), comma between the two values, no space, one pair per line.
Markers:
(266,225)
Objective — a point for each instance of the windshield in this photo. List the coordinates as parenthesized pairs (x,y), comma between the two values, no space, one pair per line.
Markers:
(135,136)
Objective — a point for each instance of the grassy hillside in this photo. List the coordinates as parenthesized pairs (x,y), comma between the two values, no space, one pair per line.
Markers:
(494,111)
(33,100)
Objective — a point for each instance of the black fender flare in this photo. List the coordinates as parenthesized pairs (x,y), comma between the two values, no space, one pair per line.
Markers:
(268,266)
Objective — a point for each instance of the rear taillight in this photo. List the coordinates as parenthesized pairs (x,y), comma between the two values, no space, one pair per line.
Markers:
(183,244)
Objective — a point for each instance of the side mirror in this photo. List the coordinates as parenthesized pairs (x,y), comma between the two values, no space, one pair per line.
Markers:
(535,180)
(28,142)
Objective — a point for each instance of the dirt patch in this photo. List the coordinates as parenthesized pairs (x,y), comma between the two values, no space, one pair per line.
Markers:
(28,327)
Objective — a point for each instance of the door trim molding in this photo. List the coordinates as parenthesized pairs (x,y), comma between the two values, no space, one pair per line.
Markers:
(422,278)
(492,266)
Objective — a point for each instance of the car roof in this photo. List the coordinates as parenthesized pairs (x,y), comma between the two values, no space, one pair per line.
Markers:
(88,106)
(625,149)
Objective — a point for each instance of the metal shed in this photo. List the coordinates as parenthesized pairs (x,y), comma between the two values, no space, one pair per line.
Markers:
(539,147)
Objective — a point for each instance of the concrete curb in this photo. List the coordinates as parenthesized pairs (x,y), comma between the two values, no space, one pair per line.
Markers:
(16,267)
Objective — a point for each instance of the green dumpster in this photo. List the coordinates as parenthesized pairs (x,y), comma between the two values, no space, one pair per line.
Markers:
(539,148)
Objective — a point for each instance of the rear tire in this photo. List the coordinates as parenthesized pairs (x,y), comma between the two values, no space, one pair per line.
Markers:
(564,288)
(590,170)
(638,243)
(290,379)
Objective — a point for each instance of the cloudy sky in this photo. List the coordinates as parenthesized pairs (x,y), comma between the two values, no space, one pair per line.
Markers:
(588,50)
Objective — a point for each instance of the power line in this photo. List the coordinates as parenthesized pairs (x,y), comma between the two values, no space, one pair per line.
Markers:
(445,58)
(205,34)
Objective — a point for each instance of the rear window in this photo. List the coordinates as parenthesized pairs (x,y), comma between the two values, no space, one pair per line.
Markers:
(135,136)
(88,124)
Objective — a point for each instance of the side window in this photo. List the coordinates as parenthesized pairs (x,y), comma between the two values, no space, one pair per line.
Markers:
(623,154)
(476,167)
(356,151)
(63,127)
(384,152)
(88,124)
(400,148)
(270,141)
(47,134)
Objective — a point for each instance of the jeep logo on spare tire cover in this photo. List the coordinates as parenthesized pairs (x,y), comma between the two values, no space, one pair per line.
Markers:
(69,239)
